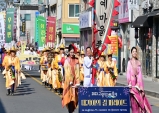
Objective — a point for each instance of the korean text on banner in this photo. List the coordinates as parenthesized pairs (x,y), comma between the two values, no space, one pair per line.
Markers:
(104,100)
(9,25)
(51,24)
(41,30)
(36,26)
(2,30)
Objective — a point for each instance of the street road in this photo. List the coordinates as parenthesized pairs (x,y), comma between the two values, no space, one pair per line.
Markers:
(32,97)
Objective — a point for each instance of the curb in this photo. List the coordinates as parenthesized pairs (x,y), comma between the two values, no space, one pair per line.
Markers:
(147,92)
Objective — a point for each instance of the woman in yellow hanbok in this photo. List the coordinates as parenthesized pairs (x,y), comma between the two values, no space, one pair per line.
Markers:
(81,61)
(44,65)
(112,72)
(55,78)
(70,95)
(12,72)
(101,71)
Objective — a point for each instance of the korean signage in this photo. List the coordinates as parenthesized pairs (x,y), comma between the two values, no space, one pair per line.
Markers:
(23,28)
(124,12)
(70,29)
(104,100)
(36,26)
(9,25)
(2,30)
(103,15)
(114,44)
(41,22)
(85,20)
(133,4)
(51,27)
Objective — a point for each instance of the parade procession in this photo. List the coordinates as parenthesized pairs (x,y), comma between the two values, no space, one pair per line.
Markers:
(79,56)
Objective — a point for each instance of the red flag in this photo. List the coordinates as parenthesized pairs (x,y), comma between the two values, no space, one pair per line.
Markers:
(116,3)
(95,30)
(115,13)
(91,3)
(94,71)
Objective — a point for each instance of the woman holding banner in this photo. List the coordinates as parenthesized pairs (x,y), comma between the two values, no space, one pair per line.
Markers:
(70,96)
(139,102)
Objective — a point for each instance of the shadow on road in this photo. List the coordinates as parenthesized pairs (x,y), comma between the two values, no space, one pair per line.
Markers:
(24,89)
(2,109)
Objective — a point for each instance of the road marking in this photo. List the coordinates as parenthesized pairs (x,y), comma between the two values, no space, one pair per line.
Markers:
(40,83)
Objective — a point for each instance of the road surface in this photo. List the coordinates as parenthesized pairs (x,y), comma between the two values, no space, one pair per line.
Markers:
(32,97)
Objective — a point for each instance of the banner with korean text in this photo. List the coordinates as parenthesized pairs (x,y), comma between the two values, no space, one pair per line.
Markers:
(41,30)
(2,30)
(9,25)
(102,19)
(104,99)
(51,27)
(36,27)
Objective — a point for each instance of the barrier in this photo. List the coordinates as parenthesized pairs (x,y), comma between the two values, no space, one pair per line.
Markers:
(104,99)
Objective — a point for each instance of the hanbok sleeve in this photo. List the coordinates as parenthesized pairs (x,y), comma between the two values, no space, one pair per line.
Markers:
(55,63)
(140,79)
(77,70)
(128,74)
(41,61)
(17,64)
(115,70)
(4,61)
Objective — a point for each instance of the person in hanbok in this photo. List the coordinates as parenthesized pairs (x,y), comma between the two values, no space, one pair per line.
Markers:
(61,59)
(70,95)
(12,72)
(44,65)
(101,73)
(5,60)
(81,61)
(111,71)
(87,64)
(56,84)
(139,102)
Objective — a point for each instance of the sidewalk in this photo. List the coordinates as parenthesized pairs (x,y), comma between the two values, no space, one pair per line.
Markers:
(151,88)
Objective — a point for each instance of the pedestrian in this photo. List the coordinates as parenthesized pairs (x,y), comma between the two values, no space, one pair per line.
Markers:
(70,95)
(88,60)
(112,72)
(139,102)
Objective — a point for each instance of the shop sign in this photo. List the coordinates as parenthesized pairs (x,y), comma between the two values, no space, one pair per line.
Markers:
(124,12)
(70,29)
(85,20)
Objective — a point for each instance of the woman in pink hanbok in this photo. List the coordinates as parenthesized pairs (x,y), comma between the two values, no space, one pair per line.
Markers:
(139,102)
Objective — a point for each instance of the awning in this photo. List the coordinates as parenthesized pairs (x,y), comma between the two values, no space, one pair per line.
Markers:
(154,13)
(71,35)
(141,21)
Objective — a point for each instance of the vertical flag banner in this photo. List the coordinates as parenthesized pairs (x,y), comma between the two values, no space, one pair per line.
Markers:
(51,24)
(41,30)
(9,24)
(36,27)
(2,30)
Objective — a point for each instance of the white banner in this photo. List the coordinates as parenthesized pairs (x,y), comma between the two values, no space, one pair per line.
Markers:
(2,30)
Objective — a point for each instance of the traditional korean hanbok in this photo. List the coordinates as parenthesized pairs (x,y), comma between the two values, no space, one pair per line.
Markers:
(81,61)
(44,66)
(70,95)
(101,74)
(13,75)
(111,72)
(139,102)
(55,77)
(5,60)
